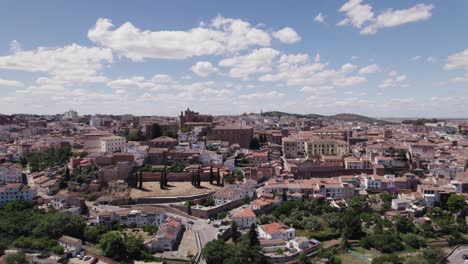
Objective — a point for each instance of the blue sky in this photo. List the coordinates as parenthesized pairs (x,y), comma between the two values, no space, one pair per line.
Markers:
(376,58)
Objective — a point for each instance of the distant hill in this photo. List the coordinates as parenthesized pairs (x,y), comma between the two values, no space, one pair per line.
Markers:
(356,118)
(343,117)
(280,114)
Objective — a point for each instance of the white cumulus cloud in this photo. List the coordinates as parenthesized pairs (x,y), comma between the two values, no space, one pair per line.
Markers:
(373,68)
(68,64)
(319,18)
(258,61)
(203,68)
(361,16)
(287,35)
(10,83)
(219,36)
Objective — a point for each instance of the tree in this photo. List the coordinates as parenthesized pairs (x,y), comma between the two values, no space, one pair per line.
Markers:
(49,158)
(303,259)
(285,196)
(254,143)
(193,178)
(433,256)
(91,234)
(67,174)
(135,135)
(85,175)
(414,240)
(141,180)
(239,175)
(211,174)
(235,231)
(404,225)
(133,246)
(165,176)
(169,133)
(246,199)
(198,178)
(344,244)
(218,177)
(385,242)
(252,236)
(155,131)
(384,259)
(358,202)
(161,181)
(209,202)
(112,245)
(216,251)
(188,205)
(16,258)
(456,203)
(350,224)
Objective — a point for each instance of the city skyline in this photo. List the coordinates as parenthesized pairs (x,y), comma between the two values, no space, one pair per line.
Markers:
(373,58)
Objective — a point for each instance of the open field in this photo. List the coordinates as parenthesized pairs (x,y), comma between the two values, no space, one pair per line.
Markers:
(152,189)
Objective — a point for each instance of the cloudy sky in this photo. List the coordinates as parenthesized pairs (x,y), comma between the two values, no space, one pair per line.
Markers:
(405,58)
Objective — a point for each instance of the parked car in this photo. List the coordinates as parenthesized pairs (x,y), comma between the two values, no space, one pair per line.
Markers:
(94,261)
(190,222)
(86,258)
(465,256)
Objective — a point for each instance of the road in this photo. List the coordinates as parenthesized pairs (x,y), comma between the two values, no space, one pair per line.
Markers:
(456,257)
(205,232)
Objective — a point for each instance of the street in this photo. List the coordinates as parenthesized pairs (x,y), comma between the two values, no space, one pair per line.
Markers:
(457,256)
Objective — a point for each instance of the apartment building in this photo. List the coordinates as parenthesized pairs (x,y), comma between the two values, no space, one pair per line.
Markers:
(168,235)
(245,218)
(112,144)
(327,147)
(10,173)
(332,188)
(292,147)
(16,191)
(241,135)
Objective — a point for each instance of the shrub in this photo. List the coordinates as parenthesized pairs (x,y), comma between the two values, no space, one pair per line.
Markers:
(414,241)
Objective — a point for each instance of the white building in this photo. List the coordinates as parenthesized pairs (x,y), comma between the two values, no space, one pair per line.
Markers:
(16,191)
(233,193)
(385,161)
(208,156)
(70,245)
(276,231)
(352,163)
(72,115)
(139,216)
(399,204)
(299,243)
(245,218)
(95,121)
(168,235)
(10,173)
(112,144)
(370,182)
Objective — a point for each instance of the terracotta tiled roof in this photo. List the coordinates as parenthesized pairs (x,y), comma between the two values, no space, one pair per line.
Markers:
(247,212)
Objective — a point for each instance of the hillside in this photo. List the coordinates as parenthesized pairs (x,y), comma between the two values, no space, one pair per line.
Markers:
(343,117)
(355,118)
(279,114)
